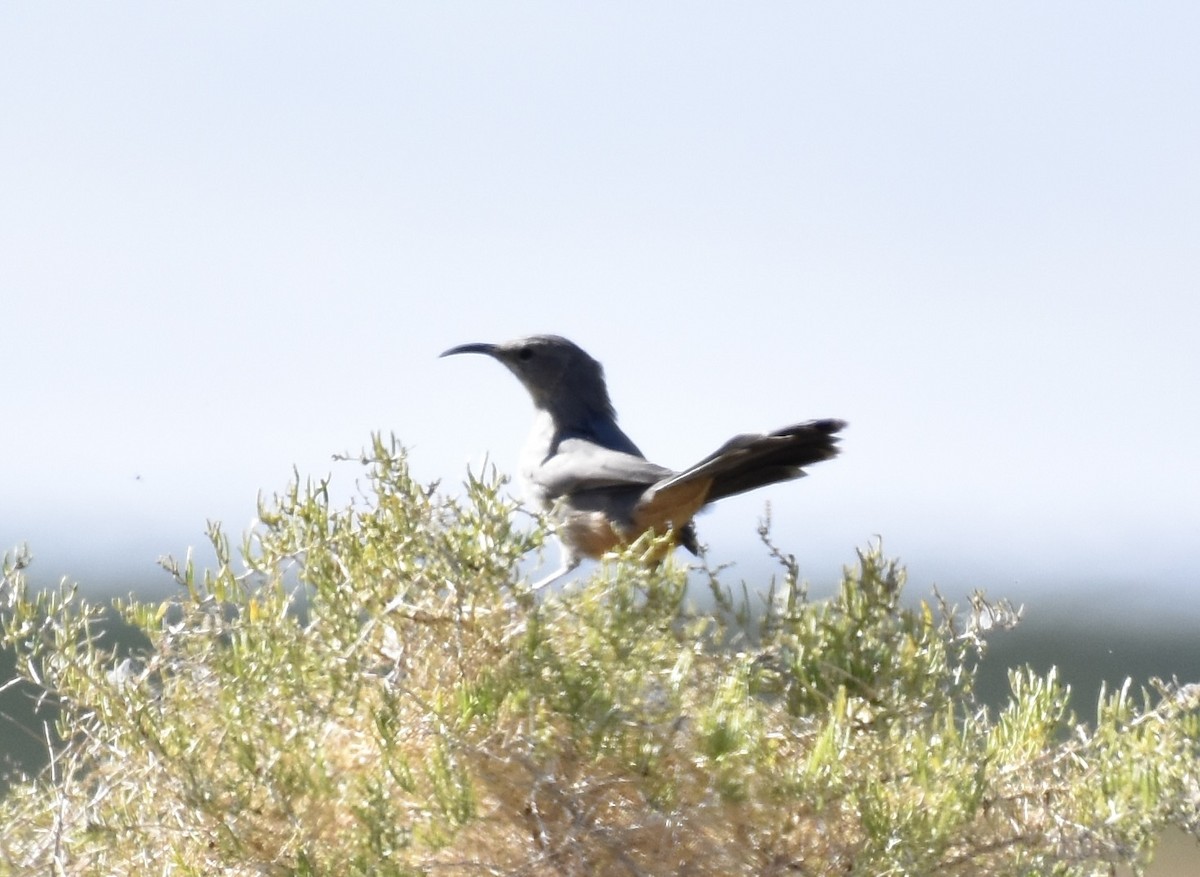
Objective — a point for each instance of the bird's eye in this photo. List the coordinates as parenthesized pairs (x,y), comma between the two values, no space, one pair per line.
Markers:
(526,353)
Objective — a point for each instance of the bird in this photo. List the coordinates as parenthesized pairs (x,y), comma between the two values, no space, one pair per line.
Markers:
(597,488)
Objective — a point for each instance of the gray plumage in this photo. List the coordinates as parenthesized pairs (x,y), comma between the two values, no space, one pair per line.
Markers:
(599,489)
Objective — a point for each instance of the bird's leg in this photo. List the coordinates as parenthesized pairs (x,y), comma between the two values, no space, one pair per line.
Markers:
(570,561)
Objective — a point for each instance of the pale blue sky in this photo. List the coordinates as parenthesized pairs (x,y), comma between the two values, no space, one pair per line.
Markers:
(234,237)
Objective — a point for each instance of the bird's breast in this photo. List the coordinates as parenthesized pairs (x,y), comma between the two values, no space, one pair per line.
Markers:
(538,448)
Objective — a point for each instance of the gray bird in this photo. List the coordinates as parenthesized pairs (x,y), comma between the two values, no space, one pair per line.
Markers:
(599,489)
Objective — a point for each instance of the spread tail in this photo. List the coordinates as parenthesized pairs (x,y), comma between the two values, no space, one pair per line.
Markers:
(742,463)
(746,462)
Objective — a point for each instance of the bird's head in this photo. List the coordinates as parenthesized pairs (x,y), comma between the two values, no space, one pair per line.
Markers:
(559,374)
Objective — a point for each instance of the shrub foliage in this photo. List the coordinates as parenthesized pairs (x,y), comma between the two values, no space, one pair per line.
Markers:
(372,689)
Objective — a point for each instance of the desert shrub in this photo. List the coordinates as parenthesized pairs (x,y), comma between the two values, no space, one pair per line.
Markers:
(372,689)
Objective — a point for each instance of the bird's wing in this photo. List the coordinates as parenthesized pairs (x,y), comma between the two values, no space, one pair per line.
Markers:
(579,464)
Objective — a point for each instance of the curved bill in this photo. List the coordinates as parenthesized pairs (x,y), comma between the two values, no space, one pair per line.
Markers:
(487,349)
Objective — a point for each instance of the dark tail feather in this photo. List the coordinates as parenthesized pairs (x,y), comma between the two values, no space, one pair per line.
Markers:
(746,462)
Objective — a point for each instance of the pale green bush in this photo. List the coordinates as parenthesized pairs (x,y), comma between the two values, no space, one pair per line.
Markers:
(374,690)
